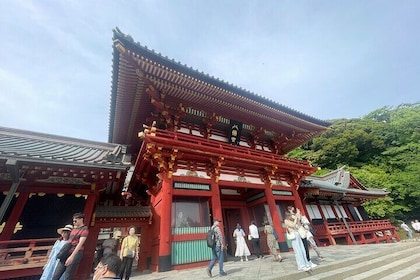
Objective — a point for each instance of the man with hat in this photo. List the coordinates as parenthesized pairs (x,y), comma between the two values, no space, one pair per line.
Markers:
(218,249)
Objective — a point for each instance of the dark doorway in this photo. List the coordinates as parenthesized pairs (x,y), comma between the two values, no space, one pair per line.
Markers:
(232,217)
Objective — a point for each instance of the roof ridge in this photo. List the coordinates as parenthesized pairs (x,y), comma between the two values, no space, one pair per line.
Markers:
(118,34)
(26,134)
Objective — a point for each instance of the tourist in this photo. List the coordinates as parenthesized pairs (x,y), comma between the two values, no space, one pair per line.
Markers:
(217,251)
(407,230)
(52,262)
(254,236)
(272,243)
(416,226)
(77,239)
(242,249)
(129,252)
(110,245)
(302,232)
(310,237)
(108,267)
(292,224)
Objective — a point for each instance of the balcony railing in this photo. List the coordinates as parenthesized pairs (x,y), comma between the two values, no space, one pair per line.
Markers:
(20,258)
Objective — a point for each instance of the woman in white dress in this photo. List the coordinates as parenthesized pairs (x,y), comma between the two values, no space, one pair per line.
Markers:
(242,249)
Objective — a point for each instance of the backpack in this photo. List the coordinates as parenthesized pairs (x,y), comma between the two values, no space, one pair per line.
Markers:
(211,238)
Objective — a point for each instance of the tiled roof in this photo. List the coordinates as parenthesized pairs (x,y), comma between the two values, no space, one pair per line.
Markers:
(327,186)
(33,147)
(183,68)
(139,71)
(342,182)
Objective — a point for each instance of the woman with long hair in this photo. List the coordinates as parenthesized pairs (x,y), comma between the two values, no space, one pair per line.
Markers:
(242,249)
(292,226)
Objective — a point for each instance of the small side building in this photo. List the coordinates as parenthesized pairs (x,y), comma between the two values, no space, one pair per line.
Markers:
(333,203)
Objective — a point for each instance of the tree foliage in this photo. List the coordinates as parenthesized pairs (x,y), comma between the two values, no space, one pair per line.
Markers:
(382,150)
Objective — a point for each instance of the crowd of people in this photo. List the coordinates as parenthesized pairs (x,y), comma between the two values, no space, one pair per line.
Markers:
(117,257)
(299,234)
(115,262)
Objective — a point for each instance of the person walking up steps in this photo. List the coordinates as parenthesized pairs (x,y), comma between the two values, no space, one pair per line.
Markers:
(255,239)
(242,249)
(272,243)
(217,250)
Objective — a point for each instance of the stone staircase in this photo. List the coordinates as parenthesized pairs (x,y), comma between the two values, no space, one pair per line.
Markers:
(391,264)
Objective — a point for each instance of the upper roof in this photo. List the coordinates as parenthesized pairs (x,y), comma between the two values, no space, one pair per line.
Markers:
(137,71)
(39,148)
(340,182)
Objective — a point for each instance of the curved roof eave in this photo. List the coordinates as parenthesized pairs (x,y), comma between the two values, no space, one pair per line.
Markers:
(177,66)
(326,186)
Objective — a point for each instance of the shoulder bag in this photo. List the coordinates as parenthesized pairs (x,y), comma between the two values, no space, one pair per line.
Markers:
(290,236)
(302,232)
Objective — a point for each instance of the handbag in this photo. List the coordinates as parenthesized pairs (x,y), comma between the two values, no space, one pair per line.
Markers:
(131,254)
(64,252)
(290,236)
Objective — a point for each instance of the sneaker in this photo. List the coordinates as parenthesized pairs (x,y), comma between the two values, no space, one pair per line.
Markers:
(208,272)
(306,268)
(313,265)
(222,273)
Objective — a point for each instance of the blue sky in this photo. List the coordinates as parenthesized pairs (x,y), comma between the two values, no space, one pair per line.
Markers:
(327,59)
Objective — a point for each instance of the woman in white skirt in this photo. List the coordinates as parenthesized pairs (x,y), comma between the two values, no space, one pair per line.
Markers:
(242,249)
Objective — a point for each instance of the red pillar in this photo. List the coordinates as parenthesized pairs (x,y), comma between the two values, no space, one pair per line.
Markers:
(9,227)
(165,245)
(298,202)
(216,205)
(85,266)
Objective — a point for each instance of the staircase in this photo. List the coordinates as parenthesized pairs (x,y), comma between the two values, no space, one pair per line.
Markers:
(402,263)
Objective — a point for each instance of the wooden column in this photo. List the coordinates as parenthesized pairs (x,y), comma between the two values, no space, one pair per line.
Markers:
(215,202)
(165,246)
(298,202)
(85,266)
(145,249)
(276,218)
(9,227)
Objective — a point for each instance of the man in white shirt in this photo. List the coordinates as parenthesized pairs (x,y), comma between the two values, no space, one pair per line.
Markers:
(255,239)
(416,226)
(407,230)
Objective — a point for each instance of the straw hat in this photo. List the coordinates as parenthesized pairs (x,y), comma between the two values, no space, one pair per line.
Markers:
(65,228)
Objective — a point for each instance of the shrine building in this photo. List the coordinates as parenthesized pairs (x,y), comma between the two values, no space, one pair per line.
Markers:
(184,148)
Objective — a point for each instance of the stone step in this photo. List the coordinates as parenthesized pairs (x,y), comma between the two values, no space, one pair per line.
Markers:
(397,267)
(409,273)
(354,266)
(357,267)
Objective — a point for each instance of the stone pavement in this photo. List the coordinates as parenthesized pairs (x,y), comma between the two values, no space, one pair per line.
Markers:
(267,269)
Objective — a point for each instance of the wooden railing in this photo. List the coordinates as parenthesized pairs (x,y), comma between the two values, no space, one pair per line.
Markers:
(20,258)
(214,147)
(361,226)
(364,231)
